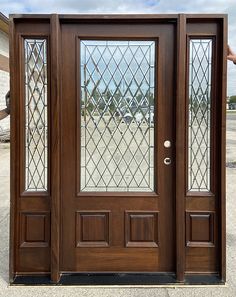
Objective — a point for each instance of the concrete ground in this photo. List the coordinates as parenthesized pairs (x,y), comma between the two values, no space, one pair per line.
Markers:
(228,291)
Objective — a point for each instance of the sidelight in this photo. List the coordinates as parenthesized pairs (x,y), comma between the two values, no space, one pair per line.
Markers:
(117,115)
(36,115)
(199,122)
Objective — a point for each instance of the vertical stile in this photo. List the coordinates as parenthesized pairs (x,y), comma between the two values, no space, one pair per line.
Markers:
(223,151)
(180,148)
(55,151)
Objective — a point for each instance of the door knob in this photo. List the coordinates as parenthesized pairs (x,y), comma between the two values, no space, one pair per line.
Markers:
(167,161)
(167,143)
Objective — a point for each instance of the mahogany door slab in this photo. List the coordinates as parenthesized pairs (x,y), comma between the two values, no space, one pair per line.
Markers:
(118,229)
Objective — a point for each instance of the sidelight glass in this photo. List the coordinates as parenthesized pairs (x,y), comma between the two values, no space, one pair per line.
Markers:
(36,114)
(199,124)
(117,115)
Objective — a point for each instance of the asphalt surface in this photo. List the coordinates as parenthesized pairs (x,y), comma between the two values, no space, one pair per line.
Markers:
(228,291)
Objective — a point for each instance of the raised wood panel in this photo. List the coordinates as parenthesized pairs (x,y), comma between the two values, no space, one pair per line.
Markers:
(141,229)
(34,229)
(200,229)
(92,228)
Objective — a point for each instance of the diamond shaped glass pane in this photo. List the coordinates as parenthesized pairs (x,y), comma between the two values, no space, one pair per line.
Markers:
(200,68)
(117,115)
(36,123)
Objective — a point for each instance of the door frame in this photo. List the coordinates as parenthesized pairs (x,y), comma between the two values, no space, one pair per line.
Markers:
(50,26)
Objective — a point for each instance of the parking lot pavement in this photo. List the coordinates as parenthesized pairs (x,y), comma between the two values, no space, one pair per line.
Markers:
(226,291)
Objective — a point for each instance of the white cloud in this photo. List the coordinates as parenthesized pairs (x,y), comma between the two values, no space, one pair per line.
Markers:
(133,6)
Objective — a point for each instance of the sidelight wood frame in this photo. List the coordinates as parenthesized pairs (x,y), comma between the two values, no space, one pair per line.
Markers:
(52,202)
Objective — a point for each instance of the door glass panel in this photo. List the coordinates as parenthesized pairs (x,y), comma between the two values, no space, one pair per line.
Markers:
(36,122)
(200,77)
(117,115)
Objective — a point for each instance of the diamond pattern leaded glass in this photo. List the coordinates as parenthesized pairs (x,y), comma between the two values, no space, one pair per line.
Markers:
(36,140)
(117,115)
(200,68)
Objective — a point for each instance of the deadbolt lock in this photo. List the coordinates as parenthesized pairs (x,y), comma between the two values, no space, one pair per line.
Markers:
(167,161)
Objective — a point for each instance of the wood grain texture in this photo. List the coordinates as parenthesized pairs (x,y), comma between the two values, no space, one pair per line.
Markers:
(200,229)
(55,148)
(116,257)
(34,229)
(210,201)
(21,254)
(13,151)
(222,157)
(180,147)
(93,228)
(156,221)
(141,229)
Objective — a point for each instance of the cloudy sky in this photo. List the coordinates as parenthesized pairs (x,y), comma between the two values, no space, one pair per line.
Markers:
(133,6)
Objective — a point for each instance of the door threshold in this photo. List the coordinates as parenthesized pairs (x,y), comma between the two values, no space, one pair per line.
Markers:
(120,279)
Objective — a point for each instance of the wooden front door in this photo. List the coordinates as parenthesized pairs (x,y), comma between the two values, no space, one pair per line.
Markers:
(117,152)
(118,149)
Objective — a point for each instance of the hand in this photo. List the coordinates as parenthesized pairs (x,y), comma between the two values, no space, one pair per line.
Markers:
(7,97)
(231,56)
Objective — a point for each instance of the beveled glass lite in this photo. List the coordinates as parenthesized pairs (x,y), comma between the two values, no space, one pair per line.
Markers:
(117,115)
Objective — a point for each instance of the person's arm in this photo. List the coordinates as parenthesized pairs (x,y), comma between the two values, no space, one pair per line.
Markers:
(231,56)
(3,114)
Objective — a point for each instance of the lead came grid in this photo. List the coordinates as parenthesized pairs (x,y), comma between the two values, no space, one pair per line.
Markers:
(36,124)
(117,115)
(200,68)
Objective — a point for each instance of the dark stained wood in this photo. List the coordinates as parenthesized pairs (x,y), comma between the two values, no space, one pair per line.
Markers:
(162,256)
(141,228)
(180,148)
(201,260)
(201,203)
(222,144)
(212,199)
(201,17)
(35,229)
(124,260)
(169,230)
(55,149)
(13,152)
(200,229)
(33,260)
(36,204)
(22,257)
(93,228)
